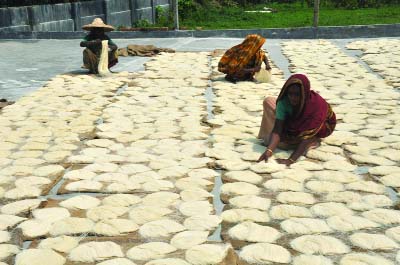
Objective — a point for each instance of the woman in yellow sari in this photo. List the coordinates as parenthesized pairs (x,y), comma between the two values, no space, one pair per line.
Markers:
(242,61)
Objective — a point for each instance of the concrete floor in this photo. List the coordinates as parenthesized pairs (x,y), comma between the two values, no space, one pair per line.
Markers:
(28,64)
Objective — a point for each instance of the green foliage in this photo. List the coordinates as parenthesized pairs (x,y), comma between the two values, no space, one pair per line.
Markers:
(142,23)
(164,17)
(186,8)
(353,4)
(288,15)
(348,4)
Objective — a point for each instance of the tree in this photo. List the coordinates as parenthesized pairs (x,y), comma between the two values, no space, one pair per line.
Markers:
(316,13)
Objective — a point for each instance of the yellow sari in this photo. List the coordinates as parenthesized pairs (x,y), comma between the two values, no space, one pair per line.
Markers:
(248,54)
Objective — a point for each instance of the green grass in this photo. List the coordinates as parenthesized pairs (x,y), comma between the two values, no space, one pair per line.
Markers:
(367,16)
(287,16)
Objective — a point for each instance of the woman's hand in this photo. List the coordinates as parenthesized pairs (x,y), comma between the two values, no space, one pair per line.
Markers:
(113,47)
(286,162)
(267,154)
(94,43)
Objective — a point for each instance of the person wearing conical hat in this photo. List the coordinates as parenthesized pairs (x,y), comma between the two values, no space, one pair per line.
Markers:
(92,43)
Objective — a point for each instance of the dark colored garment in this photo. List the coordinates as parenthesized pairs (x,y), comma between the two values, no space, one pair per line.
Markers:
(97,48)
(91,55)
(91,60)
(283,109)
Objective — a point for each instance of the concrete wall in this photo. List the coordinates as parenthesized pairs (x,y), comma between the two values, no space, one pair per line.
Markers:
(119,12)
(14,19)
(87,11)
(340,32)
(71,17)
(51,17)
(144,10)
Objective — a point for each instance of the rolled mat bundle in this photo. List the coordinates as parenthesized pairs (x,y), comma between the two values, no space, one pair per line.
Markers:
(103,63)
(142,50)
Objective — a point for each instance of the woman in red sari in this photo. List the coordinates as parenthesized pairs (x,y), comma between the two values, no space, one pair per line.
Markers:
(299,117)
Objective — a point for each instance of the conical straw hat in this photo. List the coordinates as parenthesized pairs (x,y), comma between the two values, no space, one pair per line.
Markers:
(98,23)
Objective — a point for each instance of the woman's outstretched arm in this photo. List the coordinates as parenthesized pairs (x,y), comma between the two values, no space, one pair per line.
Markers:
(273,141)
(267,66)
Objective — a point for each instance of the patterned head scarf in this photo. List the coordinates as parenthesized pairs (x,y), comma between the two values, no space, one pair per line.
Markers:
(239,56)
